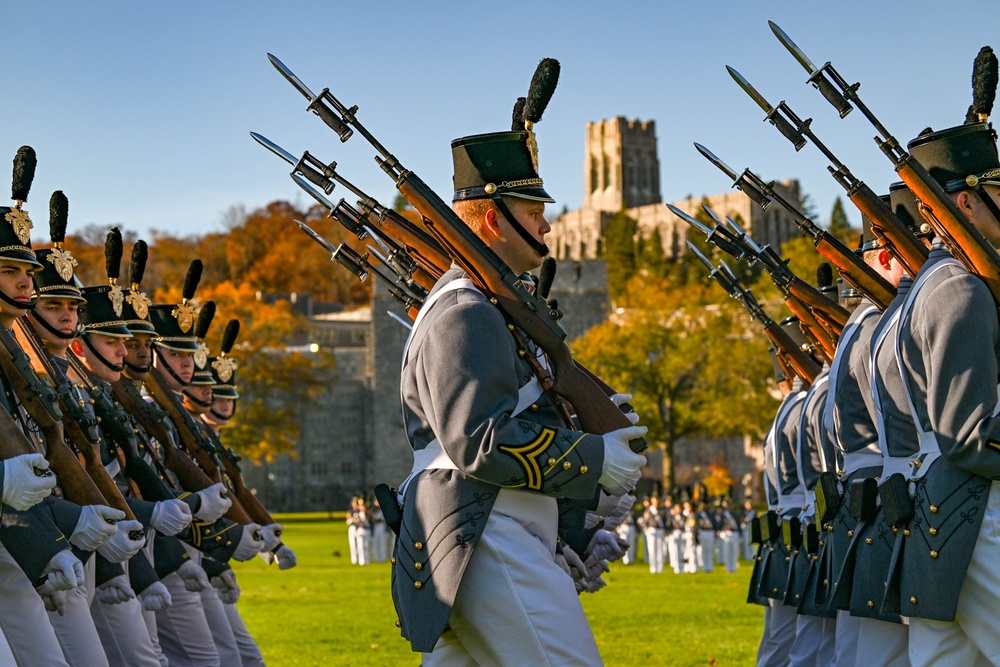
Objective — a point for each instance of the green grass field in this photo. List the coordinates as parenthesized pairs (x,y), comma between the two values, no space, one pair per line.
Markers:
(326,611)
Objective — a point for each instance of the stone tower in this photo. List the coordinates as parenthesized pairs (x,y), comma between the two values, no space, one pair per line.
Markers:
(621,168)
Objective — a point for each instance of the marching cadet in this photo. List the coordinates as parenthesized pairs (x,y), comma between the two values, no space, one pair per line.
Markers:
(653,531)
(785,498)
(629,534)
(748,552)
(461,380)
(357,531)
(936,370)
(852,429)
(675,538)
(728,528)
(57,322)
(705,549)
(379,552)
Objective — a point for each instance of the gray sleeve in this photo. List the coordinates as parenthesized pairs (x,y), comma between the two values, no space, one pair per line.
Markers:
(788,475)
(468,387)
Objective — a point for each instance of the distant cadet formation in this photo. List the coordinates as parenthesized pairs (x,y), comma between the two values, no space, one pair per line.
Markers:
(880,545)
(122,507)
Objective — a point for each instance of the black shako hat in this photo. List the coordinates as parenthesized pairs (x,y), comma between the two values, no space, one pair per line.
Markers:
(959,157)
(498,163)
(15,224)
(174,323)
(224,367)
(56,279)
(103,312)
(135,310)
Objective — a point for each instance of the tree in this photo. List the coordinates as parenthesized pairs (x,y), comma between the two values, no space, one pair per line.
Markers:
(653,259)
(840,226)
(401,203)
(620,252)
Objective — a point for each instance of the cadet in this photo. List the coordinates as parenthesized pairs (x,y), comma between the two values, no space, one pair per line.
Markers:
(461,380)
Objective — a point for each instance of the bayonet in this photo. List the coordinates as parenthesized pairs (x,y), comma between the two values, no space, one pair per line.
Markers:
(399,319)
(382,258)
(743,182)
(311,191)
(316,237)
(792,48)
(355,263)
(694,222)
(697,253)
(773,114)
(274,148)
(817,75)
(750,90)
(386,249)
(720,236)
(711,214)
(291,78)
(711,157)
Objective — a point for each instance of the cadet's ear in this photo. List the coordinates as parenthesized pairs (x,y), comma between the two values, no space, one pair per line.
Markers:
(77,346)
(491,222)
(884,258)
(964,202)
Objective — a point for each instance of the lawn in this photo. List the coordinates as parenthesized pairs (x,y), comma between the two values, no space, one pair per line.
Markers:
(326,611)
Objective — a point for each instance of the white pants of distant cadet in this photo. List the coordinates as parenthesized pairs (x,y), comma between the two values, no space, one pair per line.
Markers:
(627,532)
(124,633)
(690,553)
(882,643)
(75,629)
(728,544)
(654,547)
(973,637)
(512,583)
(351,543)
(778,636)
(706,550)
(675,550)
(360,545)
(249,651)
(379,552)
(222,631)
(815,642)
(749,550)
(183,630)
(23,619)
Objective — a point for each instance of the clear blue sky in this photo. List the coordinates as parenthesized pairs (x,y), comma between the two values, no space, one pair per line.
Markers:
(140,111)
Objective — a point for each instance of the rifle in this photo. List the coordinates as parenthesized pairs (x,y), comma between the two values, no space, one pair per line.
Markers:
(965,242)
(852,267)
(799,360)
(899,240)
(736,242)
(78,424)
(231,466)
(191,438)
(426,251)
(359,265)
(122,436)
(504,288)
(42,405)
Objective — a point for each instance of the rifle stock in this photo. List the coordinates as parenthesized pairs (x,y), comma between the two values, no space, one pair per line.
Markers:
(822,341)
(898,240)
(231,466)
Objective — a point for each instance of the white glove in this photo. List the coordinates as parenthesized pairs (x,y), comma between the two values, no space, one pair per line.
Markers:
(286,558)
(171,516)
(250,544)
(272,535)
(95,526)
(622,466)
(622,399)
(214,503)
(577,569)
(64,571)
(115,590)
(594,585)
(193,575)
(156,597)
(625,505)
(121,547)
(227,588)
(54,601)
(595,568)
(605,546)
(22,488)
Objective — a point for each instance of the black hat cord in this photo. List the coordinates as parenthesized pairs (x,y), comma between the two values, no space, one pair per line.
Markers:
(170,371)
(196,401)
(100,357)
(35,317)
(540,248)
(18,304)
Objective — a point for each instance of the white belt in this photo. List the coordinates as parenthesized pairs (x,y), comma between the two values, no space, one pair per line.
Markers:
(865,458)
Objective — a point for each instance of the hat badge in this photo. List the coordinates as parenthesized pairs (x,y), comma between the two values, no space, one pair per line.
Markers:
(185,313)
(64,263)
(224,366)
(140,303)
(19,220)
(201,355)
(117,298)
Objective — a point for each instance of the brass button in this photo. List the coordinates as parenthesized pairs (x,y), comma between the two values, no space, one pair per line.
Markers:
(913,600)
(934,509)
(551,462)
(493,300)
(772,549)
(934,554)
(868,540)
(392,560)
(521,353)
(932,530)
(418,565)
(797,596)
(850,533)
(229,543)
(567,465)
(418,585)
(788,559)
(219,538)
(208,531)
(510,327)
(398,624)
(775,590)
(870,604)
(534,406)
(583,470)
(826,582)
(895,529)
(906,532)
(418,546)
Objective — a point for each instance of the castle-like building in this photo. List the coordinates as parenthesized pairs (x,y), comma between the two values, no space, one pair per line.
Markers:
(621,171)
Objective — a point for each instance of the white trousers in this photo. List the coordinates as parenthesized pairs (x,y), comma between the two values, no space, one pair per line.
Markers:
(689,555)
(75,629)
(815,641)
(6,655)
(654,542)
(360,545)
(848,629)
(706,550)
(779,635)
(972,638)
(351,531)
(149,618)
(728,542)
(23,620)
(884,644)
(249,651)
(628,533)
(183,629)
(675,547)
(222,631)
(124,634)
(513,583)
(379,552)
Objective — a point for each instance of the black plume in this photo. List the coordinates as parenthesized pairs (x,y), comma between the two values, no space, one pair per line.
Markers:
(113,253)
(824,275)
(137,267)
(517,118)
(545,277)
(58,215)
(192,279)
(984,85)
(543,84)
(24,172)
(205,317)
(229,336)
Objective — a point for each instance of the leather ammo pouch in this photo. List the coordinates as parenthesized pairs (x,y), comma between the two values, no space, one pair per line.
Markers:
(897,506)
(791,529)
(811,539)
(390,507)
(864,493)
(769,527)
(828,498)
(755,537)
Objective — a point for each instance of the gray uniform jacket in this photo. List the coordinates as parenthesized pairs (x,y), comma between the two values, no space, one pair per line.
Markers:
(459,386)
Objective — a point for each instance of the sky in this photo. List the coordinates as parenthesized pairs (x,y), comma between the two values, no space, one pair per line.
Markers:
(141,111)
